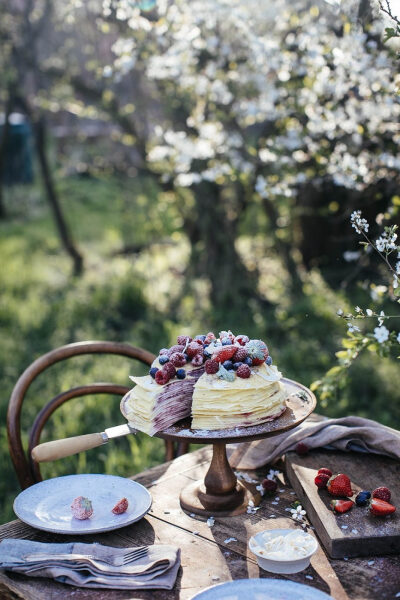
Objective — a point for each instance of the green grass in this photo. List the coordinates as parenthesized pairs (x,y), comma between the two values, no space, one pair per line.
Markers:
(140,298)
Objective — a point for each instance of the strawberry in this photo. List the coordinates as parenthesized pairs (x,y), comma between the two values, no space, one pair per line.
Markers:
(223,353)
(321,480)
(120,507)
(257,351)
(326,471)
(242,339)
(82,508)
(341,506)
(380,508)
(383,493)
(339,485)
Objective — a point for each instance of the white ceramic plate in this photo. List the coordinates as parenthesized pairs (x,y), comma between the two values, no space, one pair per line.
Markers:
(47,505)
(261,589)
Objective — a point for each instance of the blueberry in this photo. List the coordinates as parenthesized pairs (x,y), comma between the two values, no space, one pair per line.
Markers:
(268,361)
(237,365)
(153,372)
(200,337)
(228,365)
(362,498)
(181,373)
(163,359)
(226,341)
(207,352)
(248,361)
(186,357)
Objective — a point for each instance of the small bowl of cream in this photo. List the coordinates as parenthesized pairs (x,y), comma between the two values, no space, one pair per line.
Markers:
(283,550)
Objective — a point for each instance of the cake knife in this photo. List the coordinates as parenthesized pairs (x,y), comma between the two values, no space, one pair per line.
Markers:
(68,446)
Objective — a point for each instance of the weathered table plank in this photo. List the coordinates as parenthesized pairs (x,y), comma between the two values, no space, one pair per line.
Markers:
(207,558)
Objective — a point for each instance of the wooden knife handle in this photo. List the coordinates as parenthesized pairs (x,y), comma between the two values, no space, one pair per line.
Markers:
(61,448)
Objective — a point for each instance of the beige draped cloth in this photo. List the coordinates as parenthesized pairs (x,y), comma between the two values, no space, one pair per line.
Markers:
(346,434)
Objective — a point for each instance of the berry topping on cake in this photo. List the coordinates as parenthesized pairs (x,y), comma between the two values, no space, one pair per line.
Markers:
(197,360)
(225,374)
(182,340)
(269,485)
(257,351)
(153,372)
(170,369)
(236,365)
(341,506)
(193,349)
(228,364)
(326,471)
(242,339)
(240,355)
(163,351)
(243,372)
(380,508)
(163,359)
(362,498)
(211,366)
(226,341)
(177,359)
(82,508)
(181,373)
(210,337)
(248,361)
(339,485)
(161,377)
(268,361)
(383,493)
(199,339)
(120,507)
(224,353)
(176,348)
(321,480)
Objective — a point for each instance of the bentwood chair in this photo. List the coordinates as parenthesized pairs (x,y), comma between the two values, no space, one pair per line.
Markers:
(28,471)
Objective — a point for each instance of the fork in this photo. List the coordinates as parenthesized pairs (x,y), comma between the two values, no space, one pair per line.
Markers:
(111,559)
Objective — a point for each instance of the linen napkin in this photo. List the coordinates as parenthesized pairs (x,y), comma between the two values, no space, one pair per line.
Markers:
(346,434)
(156,570)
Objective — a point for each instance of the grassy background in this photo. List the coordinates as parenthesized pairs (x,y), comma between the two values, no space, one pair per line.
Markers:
(140,298)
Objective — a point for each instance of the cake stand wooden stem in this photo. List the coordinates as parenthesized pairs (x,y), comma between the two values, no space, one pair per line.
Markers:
(220,478)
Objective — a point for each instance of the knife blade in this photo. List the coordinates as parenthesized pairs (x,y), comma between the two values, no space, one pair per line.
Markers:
(69,446)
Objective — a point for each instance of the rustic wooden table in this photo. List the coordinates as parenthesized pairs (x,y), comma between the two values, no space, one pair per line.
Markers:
(207,557)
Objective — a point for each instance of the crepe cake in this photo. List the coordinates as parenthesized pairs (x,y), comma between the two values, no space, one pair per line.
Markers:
(221,382)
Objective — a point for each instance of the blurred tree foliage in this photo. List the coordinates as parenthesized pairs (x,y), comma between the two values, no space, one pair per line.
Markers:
(206,157)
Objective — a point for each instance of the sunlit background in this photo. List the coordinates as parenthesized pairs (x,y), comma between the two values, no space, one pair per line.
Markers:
(176,167)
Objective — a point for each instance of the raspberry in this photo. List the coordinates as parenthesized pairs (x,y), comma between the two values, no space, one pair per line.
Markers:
(383,493)
(120,507)
(321,480)
(197,360)
(82,508)
(242,339)
(269,486)
(243,372)
(240,355)
(301,449)
(176,348)
(163,351)
(211,366)
(209,337)
(325,471)
(170,370)
(177,359)
(223,334)
(182,339)
(199,341)
(193,349)
(161,377)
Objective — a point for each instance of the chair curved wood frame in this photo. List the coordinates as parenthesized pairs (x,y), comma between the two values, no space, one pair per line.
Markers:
(27,470)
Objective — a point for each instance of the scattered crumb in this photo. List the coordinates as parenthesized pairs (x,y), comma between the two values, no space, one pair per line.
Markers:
(230,539)
(345,526)
(292,493)
(370,563)
(345,558)
(354,531)
(192,515)
(274,503)
(397,595)
(272,516)
(166,512)
(281,491)
(287,509)
(196,532)
(215,578)
(210,521)
(309,577)
(277,498)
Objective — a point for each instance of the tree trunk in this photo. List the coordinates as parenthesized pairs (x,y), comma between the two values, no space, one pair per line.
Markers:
(62,227)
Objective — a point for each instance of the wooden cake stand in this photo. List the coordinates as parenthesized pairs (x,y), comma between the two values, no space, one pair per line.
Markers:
(221,494)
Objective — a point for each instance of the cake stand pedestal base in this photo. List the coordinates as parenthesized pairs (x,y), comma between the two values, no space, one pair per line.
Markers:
(220,494)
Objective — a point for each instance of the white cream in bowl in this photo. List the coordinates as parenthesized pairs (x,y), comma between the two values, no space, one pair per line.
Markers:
(283,550)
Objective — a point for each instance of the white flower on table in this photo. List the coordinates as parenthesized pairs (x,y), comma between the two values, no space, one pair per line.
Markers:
(298,513)
(210,521)
(272,474)
(381,334)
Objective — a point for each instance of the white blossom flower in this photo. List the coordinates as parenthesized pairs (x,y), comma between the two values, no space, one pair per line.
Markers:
(369,312)
(386,242)
(352,328)
(272,474)
(298,513)
(381,317)
(398,337)
(339,312)
(358,222)
(381,334)
(398,267)
(358,309)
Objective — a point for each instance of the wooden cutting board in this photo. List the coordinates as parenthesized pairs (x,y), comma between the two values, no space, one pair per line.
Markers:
(355,533)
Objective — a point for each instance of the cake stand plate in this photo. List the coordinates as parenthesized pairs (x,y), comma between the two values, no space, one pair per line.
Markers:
(221,494)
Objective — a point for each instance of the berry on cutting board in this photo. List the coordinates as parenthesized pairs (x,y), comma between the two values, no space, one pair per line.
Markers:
(269,486)
(339,485)
(302,449)
(341,506)
(380,508)
(383,493)
(321,480)
(326,471)
(362,498)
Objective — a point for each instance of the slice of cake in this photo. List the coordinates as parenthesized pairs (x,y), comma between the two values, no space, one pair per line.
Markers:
(223,382)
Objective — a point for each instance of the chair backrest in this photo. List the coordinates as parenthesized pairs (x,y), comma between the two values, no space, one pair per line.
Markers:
(28,471)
